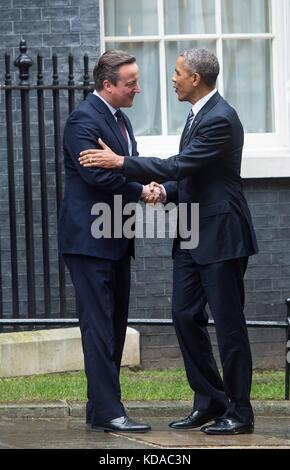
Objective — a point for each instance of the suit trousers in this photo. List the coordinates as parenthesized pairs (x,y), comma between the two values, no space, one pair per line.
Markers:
(102,293)
(221,286)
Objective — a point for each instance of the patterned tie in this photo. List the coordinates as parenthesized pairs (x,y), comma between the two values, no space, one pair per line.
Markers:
(121,125)
(187,127)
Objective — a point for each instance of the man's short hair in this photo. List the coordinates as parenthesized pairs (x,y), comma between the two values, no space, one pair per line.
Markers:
(108,65)
(203,62)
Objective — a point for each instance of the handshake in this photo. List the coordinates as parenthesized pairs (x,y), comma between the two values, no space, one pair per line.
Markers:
(153,193)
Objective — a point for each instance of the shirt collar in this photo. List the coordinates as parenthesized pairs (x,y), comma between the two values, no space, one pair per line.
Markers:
(113,110)
(200,103)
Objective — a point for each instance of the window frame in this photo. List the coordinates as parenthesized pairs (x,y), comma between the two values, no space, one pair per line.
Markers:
(265,154)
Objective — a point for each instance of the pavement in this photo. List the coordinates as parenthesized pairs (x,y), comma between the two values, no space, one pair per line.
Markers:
(61,425)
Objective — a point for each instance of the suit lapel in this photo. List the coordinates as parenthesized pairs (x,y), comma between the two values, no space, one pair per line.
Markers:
(131,135)
(111,121)
(102,108)
(204,110)
(196,121)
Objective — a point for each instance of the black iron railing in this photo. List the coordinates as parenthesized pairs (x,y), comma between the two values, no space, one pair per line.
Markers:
(24,90)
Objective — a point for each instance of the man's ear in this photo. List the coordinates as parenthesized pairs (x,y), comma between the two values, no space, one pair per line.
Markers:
(107,86)
(196,79)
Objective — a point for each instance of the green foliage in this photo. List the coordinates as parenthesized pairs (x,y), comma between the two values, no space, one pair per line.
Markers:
(137,384)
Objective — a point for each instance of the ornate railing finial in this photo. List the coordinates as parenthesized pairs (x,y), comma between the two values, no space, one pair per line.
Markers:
(23,62)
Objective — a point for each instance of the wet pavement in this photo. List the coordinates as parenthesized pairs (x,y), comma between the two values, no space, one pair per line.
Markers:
(271,432)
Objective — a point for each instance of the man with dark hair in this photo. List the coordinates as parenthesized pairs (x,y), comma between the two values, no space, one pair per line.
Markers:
(107,67)
(206,171)
(100,267)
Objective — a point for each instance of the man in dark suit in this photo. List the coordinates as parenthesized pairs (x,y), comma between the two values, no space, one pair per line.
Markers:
(100,268)
(207,171)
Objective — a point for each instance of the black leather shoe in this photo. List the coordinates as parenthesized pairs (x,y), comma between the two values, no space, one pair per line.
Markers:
(194,420)
(121,424)
(226,426)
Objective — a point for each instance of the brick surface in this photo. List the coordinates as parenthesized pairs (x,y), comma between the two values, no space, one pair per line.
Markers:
(5,4)
(10,14)
(30,14)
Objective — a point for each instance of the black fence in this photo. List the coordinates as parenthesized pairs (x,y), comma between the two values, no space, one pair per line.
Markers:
(44,311)
(24,90)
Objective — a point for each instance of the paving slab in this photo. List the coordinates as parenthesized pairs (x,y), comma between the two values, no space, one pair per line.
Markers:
(71,433)
(194,439)
(59,434)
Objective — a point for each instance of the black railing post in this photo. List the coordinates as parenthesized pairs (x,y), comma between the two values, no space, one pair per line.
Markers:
(287,363)
(23,62)
(11,189)
(43,185)
(58,176)
(71,90)
(86,76)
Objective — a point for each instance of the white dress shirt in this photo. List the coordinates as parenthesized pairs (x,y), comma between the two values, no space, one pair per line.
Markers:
(200,103)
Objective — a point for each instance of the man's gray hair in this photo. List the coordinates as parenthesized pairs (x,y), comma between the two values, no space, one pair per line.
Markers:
(107,67)
(204,62)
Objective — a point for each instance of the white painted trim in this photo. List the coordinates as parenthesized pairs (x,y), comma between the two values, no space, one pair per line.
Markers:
(158,145)
(102,26)
(155,38)
(194,37)
(275,166)
(162,69)
(265,162)
(280,73)
(219,45)
(247,36)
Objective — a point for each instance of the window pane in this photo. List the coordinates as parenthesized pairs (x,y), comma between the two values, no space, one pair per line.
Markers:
(248,82)
(145,113)
(189,16)
(130,17)
(247,16)
(177,111)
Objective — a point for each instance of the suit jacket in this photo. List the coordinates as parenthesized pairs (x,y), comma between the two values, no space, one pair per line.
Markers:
(207,171)
(84,187)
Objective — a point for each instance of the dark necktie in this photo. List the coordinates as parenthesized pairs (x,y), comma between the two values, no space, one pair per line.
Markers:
(187,127)
(121,125)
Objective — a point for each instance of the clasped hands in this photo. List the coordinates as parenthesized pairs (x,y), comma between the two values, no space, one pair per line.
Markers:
(153,193)
(106,158)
